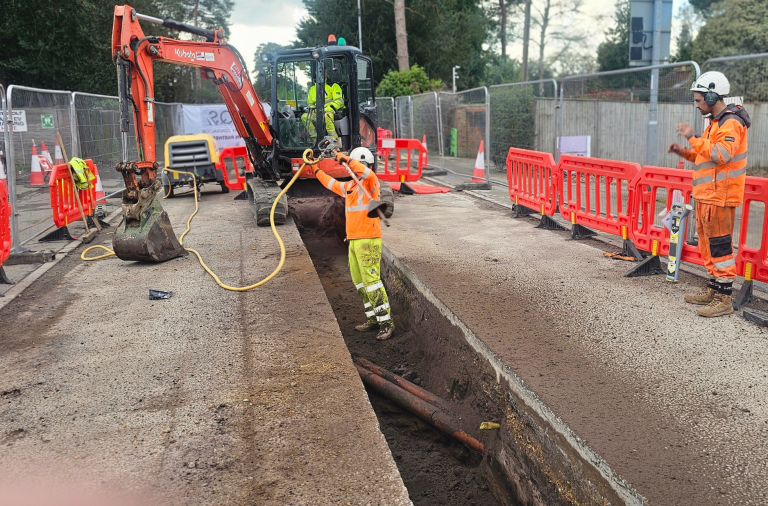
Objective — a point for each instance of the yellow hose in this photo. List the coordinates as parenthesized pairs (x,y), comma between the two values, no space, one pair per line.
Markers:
(305,157)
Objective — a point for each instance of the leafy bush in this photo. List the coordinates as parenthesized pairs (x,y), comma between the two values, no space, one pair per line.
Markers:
(409,82)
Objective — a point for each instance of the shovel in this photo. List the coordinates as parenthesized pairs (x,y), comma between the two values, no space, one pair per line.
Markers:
(376,208)
(90,235)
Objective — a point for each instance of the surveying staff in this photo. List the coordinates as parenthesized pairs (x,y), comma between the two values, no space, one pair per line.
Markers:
(364,236)
(720,155)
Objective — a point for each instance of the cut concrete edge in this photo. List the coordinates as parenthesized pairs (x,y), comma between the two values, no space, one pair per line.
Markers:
(33,276)
(696,270)
(620,486)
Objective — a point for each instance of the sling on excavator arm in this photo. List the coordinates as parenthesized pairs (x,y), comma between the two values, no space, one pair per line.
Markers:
(145,232)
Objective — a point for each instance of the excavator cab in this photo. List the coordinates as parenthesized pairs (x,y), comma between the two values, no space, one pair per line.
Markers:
(292,75)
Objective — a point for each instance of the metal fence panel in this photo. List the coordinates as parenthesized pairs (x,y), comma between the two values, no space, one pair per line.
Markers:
(426,123)
(404,118)
(467,113)
(46,112)
(385,112)
(616,109)
(522,115)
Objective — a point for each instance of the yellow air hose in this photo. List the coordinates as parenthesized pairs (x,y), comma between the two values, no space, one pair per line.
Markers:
(307,161)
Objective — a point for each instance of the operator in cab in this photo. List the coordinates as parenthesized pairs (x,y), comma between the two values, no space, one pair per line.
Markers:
(364,237)
(720,155)
(334,101)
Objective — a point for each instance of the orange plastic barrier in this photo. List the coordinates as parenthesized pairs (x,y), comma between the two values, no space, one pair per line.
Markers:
(382,133)
(235,159)
(584,205)
(752,263)
(63,201)
(532,178)
(5,222)
(645,234)
(402,170)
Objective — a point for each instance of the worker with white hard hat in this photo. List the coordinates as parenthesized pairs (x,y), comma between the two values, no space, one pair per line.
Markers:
(720,156)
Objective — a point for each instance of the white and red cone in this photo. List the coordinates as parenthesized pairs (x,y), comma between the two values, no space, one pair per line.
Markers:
(478,176)
(57,153)
(425,157)
(99,190)
(36,175)
(44,151)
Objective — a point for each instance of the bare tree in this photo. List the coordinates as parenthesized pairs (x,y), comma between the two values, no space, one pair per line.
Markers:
(401,35)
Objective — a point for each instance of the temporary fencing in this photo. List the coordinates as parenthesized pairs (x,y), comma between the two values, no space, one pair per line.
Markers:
(532,180)
(425,114)
(404,117)
(406,154)
(234,163)
(522,115)
(464,121)
(385,112)
(63,201)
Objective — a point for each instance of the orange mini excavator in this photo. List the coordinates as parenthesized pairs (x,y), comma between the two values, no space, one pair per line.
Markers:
(275,141)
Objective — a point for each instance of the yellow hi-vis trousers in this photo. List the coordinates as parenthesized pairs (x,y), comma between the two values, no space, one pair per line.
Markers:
(364,266)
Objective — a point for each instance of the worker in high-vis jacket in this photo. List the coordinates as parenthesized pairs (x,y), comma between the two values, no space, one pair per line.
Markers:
(720,158)
(364,237)
(334,101)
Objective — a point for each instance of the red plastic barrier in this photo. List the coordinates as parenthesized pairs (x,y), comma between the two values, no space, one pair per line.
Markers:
(601,177)
(752,263)
(382,133)
(399,172)
(5,222)
(532,178)
(645,234)
(237,159)
(63,201)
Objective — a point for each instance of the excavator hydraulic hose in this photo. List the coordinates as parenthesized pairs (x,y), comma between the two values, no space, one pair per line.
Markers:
(306,157)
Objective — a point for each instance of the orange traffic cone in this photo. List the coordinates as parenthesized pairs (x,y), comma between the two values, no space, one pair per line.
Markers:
(478,176)
(36,174)
(99,190)
(425,157)
(45,153)
(57,153)
(681,165)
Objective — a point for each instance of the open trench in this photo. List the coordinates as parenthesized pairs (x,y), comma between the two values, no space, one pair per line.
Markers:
(528,461)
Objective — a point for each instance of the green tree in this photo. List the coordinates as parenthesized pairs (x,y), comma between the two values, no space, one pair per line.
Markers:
(445,33)
(501,69)
(687,18)
(613,53)
(702,6)
(264,90)
(735,27)
(409,82)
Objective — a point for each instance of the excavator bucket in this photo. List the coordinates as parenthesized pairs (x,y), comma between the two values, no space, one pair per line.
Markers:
(149,239)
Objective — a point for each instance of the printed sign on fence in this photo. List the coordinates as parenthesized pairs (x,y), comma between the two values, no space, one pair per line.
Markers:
(212,119)
(46,120)
(19,121)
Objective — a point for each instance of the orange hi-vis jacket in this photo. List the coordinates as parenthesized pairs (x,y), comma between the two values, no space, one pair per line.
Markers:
(359,225)
(720,155)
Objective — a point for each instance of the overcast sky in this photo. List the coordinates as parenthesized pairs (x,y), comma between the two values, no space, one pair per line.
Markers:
(257,21)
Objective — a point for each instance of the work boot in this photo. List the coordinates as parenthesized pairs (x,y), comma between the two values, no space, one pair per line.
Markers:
(721,305)
(363,327)
(385,333)
(703,298)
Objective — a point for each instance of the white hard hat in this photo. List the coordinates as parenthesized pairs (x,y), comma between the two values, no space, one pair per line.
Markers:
(712,81)
(362,155)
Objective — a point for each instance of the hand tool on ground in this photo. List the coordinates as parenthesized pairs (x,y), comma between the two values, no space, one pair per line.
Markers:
(679,213)
(89,234)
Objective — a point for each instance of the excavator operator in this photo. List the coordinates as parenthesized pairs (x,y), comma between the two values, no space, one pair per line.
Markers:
(720,155)
(334,101)
(364,236)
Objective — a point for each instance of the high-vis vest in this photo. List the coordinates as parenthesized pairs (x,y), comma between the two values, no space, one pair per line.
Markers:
(720,155)
(334,99)
(82,174)
(359,225)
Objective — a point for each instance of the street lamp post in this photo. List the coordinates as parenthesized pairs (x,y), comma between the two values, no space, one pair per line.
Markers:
(453,71)
(359,25)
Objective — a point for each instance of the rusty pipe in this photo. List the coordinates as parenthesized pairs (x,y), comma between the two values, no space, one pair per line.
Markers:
(418,407)
(400,381)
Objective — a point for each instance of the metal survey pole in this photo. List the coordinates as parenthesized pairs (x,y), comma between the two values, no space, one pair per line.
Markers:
(652,144)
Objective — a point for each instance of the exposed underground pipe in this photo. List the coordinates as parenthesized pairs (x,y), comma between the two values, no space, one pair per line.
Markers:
(400,381)
(424,410)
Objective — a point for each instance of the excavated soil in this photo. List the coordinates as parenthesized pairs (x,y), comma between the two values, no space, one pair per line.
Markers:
(437,470)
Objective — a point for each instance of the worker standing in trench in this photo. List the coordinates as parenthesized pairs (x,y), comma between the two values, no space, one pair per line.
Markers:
(720,155)
(364,236)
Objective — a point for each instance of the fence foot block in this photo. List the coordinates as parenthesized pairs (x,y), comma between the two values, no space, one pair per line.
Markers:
(243,195)
(30,257)
(472,186)
(433,172)
(4,279)
(648,267)
(758,317)
(630,250)
(548,223)
(522,211)
(744,296)
(91,224)
(60,234)
(581,232)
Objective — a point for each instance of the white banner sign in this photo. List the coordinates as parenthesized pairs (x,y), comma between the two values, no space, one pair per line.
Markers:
(19,121)
(214,120)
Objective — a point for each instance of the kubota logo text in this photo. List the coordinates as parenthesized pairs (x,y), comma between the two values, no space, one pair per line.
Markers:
(185,54)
